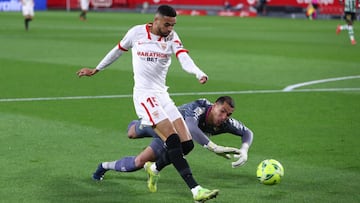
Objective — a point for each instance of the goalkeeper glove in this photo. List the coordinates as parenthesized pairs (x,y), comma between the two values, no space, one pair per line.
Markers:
(242,156)
(221,150)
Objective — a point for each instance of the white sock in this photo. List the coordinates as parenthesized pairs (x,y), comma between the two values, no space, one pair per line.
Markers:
(153,168)
(195,190)
(344,27)
(351,32)
(109,165)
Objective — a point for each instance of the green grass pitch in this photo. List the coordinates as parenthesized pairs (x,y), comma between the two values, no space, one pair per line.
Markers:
(50,146)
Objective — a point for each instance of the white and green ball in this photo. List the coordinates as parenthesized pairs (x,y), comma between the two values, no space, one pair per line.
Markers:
(269,172)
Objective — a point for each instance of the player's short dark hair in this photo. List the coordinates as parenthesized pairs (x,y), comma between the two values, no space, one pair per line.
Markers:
(166,10)
(226,99)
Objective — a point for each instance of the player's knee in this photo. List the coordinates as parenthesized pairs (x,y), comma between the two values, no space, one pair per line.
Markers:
(131,134)
(131,130)
(173,141)
(140,162)
(187,146)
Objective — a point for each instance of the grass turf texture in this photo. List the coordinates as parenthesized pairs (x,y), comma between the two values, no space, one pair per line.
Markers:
(49,149)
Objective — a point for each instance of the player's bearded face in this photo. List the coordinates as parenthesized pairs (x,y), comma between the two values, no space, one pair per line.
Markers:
(164,25)
(221,112)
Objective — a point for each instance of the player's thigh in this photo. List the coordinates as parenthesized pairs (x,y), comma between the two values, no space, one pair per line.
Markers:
(175,117)
(182,129)
(169,107)
(158,147)
(164,129)
(146,155)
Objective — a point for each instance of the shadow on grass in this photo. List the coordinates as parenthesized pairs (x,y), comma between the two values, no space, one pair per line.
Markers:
(115,188)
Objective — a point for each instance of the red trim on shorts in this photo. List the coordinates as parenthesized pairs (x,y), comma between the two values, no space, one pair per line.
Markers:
(181,51)
(148,113)
(121,48)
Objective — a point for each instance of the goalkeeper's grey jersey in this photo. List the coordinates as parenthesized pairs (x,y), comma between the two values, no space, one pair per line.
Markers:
(197,112)
(350,6)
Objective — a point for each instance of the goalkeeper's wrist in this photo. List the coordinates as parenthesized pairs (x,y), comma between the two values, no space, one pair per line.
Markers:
(245,146)
(211,146)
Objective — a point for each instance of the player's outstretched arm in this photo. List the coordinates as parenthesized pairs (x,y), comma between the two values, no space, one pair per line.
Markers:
(189,66)
(247,139)
(110,57)
(203,140)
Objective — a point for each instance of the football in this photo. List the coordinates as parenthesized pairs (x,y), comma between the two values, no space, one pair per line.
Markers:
(270,172)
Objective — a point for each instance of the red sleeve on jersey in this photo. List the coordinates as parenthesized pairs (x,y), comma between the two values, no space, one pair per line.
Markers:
(181,51)
(121,48)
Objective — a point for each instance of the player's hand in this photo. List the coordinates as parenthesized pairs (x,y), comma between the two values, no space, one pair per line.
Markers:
(242,157)
(221,150)
(225,151)
(203,80)
(86,72)
(228,150)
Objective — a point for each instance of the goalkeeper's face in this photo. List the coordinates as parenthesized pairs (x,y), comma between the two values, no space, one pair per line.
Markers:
(220,113)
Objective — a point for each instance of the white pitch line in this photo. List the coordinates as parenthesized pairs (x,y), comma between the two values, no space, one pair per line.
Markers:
(292,87)
(177,94)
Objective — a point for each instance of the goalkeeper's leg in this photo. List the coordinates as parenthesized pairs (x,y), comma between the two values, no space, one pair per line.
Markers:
(136,130)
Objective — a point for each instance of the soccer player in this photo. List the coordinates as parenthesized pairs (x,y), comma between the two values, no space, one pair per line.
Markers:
(152,46)
(84,6)
(204,119)
(27,7)
(349,17)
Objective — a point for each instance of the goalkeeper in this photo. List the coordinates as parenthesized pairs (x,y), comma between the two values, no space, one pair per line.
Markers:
(203,119)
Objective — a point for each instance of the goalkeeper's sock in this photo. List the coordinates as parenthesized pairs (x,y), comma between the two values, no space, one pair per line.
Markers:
(126,164)
(177,159)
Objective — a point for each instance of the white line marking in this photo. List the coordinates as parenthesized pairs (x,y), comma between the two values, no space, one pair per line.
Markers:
(177,94)
(292,87)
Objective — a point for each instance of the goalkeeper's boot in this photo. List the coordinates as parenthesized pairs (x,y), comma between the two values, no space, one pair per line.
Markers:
(99,173)
(152,177)
(204,194)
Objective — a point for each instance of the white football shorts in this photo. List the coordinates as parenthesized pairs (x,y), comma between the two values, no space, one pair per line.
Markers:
(28,10)
(84,5)
(153,107)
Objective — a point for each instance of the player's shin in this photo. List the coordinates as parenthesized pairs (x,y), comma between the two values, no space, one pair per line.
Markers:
(177,159)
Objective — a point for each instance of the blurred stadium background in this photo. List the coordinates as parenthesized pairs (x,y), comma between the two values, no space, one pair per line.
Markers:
(56,128)
(242,8)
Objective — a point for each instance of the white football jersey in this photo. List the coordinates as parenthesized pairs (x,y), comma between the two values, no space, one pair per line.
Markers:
(151,56)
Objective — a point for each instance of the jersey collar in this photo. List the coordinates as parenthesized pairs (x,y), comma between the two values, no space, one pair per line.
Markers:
(148,30)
